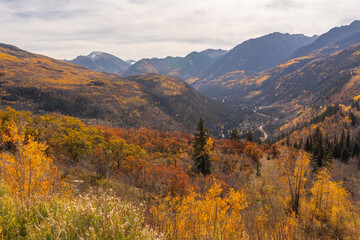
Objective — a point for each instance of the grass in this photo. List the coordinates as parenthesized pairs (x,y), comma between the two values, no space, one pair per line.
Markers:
(95,215)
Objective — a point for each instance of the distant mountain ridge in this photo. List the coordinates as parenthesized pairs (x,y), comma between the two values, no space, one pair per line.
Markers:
(252,56)
(333,78)
(102,62)
(153,65)
(335,39)
(184,68)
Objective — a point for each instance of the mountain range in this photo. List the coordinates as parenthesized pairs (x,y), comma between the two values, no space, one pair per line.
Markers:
(41,84)
(311,74)
(275,69)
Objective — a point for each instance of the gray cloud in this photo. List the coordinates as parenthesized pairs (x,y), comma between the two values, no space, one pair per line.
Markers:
(283,4)
(157,28)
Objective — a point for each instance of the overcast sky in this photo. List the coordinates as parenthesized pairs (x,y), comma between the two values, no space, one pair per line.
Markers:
(135,29)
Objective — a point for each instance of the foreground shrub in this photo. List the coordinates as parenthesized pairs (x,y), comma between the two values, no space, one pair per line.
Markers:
(214,215)
(93,216)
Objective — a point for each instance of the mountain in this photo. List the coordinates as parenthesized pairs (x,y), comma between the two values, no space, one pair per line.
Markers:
(332,79)
(131,61)
(215,54)
(153,65)
(305,80)
(252,56)
(40,84)
(335,39)
(184,68)
(192,64)
(324,75)
(102,62)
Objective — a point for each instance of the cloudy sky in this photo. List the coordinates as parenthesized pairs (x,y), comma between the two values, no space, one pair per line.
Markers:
(135,29)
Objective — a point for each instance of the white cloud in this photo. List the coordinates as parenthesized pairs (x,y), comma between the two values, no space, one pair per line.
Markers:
(158,28)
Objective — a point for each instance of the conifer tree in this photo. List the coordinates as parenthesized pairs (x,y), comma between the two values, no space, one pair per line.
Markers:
(249,136)
(342,141)
(356,149)
(348,139)
(201,157)
(354,119)
(320,155)
(345,155)
(235,134)
(307,147)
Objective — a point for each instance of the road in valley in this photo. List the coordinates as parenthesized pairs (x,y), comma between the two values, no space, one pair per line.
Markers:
(261,127)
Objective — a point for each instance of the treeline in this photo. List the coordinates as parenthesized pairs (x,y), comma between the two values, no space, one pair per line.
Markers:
(54,101)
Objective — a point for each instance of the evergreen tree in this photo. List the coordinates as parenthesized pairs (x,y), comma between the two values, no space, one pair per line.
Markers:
(336,148)
(249,136)
(342,141)
(348,139)
(354,119)
(356,149)
(235,134)
(345,155)
(307,147)
(201,158)
(321,156)
(358,137)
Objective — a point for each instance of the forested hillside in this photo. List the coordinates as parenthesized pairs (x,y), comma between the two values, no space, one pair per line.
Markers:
(305,80)
(41,84)
(105,182)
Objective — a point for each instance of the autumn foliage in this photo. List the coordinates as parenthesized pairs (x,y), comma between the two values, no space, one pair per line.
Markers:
(253,192)
(25,167)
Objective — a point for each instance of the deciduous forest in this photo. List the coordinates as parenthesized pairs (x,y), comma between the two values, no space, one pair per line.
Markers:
(63,179)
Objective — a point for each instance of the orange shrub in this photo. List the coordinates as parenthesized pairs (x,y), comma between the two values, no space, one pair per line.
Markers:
(167,179)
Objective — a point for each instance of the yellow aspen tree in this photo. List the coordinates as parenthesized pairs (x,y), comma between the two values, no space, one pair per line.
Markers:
(208,216)
(27,170)
(330,205)
(295,168)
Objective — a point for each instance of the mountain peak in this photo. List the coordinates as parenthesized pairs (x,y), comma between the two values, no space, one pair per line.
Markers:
(102,62)
(96,54)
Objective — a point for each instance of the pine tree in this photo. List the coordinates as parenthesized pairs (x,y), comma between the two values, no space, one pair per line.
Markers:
(345,155)
(249,136)
(201,157)
(356,149)
(354,119)
(342,141)
(307,147)
(321,156)
(235,134)
(336,149)
(348,140)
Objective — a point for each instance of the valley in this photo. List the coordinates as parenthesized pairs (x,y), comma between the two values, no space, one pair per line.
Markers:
(261,141)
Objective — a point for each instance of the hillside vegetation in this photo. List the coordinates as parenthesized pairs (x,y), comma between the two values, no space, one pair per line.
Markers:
(41,84)
(113,183)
